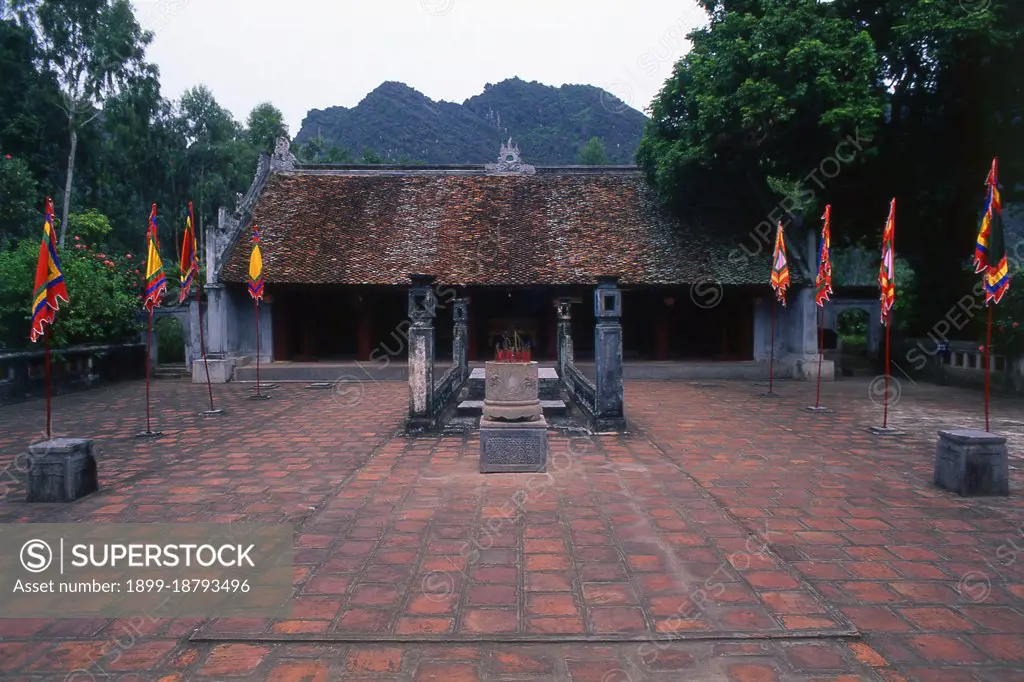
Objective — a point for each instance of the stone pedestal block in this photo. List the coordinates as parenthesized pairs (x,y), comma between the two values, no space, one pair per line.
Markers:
(221,370)
(972,463)
(62,470)
(513,447)
(805,367)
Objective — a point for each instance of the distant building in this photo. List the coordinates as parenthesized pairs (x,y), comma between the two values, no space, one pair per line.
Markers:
(339,242)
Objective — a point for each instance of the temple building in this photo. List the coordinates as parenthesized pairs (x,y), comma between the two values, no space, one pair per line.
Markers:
(339,244)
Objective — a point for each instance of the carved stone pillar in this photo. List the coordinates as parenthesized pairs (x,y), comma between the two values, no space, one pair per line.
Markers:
(563,310)
(422,310)
(608,355)
(460,336)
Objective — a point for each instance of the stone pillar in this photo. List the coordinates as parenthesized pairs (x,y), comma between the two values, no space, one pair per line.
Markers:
(460,336)
(220,363)
(422,310)
(800,329)
(193,347)
(563,356)
(608,355)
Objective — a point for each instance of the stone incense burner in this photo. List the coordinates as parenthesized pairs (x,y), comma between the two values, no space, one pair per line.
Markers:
(511,392)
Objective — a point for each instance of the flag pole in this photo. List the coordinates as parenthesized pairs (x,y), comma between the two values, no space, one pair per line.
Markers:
(257,303)
(46,372)
(885,412)
(771,361)
(202,349)
(149,341)
(988,363)
(821,343)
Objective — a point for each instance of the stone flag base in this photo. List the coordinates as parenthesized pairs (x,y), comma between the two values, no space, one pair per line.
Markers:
(62,470)
(212,413)
(221,370)
(972,463)
(768,394)
(821,409)
(884,431)
(513,447)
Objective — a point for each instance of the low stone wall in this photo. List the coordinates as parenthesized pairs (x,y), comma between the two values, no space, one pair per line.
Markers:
(958,363)
(73,368)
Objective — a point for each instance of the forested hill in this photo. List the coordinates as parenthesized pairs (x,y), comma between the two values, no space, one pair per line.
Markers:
(550,125)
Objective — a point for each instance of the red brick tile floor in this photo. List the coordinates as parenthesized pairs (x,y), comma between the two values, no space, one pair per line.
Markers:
(727,537)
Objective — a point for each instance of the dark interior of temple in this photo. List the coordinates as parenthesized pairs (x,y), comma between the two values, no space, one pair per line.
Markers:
(324,324)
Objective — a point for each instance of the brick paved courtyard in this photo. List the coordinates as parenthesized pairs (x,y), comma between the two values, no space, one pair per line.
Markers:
(727,537)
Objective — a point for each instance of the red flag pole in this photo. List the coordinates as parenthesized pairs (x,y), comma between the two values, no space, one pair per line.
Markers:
(988,362)
(257,303)
(46,372)
(149,341)
(771,361)
(821,343)
(885,413)
(202,345)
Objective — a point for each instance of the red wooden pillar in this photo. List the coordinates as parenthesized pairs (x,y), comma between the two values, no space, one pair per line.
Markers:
(662,327)
(551,331)
(364,332)
(471,334)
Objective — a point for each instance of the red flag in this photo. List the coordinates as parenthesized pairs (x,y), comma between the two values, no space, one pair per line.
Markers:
(780,267)
(50,288)
(823,283)
(156,282)
(887,272)
(189,256)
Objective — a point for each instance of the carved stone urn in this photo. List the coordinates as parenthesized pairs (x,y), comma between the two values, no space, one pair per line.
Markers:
(511,392)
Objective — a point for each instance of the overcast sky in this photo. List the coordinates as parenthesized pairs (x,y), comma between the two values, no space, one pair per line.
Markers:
(313,54)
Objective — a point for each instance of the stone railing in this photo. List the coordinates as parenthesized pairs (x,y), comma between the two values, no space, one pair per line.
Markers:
(600,401)
(958,363)
(72,368)
(429,399)
(581,391)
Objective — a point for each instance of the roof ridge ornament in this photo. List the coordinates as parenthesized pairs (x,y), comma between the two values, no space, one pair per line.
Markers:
(282,158)
(509,162)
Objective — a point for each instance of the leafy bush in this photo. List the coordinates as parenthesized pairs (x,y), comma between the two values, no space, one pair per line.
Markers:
(170,339)
(1008,319)
(103,288)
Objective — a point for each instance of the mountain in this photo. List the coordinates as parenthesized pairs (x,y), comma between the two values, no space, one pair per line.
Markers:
(549,124)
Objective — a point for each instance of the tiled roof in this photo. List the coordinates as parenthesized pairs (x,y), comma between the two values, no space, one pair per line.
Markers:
(347,227)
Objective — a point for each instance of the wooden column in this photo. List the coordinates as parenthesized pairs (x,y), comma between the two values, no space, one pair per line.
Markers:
(662,327)
(364,331)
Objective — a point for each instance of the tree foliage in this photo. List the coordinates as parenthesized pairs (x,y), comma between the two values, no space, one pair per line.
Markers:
(104,288)
(140,148)
(932,89)
(592,153)
(93,48)
(768,90)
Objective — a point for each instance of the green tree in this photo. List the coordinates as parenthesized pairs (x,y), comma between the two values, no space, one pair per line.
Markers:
(30,125)
(21,207)
(95,48)
(264,126)
(592,153)
(219,161)
(951,70)
(103,288)
(768,90)
(371,157)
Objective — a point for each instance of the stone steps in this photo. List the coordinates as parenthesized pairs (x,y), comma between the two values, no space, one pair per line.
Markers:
(475,408)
